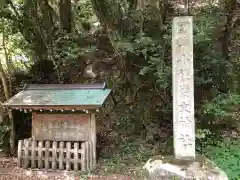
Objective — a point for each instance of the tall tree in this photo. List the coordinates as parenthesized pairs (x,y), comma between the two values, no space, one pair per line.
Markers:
(7,96)
(7,87)
(230,7)
(65,13)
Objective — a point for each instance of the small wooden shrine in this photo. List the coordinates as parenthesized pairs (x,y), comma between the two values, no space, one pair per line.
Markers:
(63,125)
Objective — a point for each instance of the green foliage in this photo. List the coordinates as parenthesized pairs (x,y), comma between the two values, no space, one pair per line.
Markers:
(69,47)
(204,139)
(202,133)
(135,46)
(17,51)
(222,105)
(84,11)
(227,156)
(209,62)
(221,110)
(4,136)
(152,51)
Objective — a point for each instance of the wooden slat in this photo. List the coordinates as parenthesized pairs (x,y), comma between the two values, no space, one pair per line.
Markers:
(93,138)
(85,150)
(40,154)
(33,155)
(26,153)
(20,148)
(54,154)
(76,146)
(47,147)
(64,160)
(90,154)
(83,157)
(87,154)
(58,150)
(68,156)
(61,150)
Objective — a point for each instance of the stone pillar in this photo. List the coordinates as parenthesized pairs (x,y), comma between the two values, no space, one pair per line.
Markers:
(183,88)
(185,164)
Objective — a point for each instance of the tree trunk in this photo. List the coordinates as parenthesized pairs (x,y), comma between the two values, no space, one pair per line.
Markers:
(65,13)
(230,7)
(186,7)
(7,92)
(7,96)
(8,61)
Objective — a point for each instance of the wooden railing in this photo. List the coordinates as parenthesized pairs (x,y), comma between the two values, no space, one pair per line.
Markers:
(55,155)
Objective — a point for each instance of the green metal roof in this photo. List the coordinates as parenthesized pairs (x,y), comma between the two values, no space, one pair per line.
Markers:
(59,97)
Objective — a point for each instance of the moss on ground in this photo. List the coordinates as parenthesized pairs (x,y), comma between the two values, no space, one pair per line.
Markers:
(227,157)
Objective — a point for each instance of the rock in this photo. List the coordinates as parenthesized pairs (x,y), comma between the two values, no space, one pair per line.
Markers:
(166,168)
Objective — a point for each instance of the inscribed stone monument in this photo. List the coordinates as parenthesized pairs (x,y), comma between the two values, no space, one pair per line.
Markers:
(184,165)
(183,88)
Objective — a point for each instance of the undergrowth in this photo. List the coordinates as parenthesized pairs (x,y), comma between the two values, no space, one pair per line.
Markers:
(129,158)
(129,161)
(227,156)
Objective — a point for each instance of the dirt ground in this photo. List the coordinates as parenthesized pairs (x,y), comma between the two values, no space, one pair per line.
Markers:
(10,171)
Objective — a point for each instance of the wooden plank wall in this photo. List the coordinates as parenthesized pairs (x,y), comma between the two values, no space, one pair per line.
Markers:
(61,127)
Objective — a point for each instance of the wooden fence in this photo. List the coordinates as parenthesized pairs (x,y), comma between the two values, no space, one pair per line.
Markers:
(55,155)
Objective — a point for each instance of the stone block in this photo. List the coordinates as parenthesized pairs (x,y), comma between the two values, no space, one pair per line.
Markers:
(167,168)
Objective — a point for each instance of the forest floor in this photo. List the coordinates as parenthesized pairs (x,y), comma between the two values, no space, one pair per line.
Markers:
(128,165)
(10,171)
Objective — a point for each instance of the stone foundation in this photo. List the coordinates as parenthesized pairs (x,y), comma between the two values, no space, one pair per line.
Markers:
(167,168)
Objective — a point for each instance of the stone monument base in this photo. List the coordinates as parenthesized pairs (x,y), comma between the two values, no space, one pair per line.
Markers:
(167,168)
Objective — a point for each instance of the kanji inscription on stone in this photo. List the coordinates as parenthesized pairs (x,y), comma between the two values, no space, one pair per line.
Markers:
(183,88)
